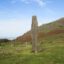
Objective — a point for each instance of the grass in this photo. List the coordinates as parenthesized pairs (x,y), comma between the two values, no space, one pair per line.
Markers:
(52,53)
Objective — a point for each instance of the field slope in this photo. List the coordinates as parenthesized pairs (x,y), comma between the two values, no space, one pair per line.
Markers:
(47,30)
(51,39)
(52,53)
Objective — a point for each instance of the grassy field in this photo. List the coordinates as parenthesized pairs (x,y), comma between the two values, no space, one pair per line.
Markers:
(52,53)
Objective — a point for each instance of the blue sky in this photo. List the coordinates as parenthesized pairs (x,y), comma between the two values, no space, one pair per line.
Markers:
(16,15)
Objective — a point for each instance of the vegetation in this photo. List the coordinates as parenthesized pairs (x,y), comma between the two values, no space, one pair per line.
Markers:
(45,30)
(4,40)
(51,45)
(52,53)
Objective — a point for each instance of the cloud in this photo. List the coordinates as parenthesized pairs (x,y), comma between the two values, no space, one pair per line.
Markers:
(25,1)
(39,2)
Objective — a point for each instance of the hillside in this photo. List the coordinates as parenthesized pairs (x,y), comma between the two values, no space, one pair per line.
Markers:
(51,42)
(53,29)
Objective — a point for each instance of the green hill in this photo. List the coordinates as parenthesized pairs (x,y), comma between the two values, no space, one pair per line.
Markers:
(51,39)
(53,29)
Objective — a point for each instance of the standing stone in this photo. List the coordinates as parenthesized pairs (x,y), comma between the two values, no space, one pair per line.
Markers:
(34,30)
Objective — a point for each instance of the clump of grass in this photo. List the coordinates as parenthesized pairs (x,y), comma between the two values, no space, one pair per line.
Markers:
(53,53)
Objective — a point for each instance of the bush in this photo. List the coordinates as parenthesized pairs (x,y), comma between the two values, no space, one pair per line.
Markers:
(4,40)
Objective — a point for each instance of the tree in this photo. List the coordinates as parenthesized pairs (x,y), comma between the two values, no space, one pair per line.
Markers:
(34,30)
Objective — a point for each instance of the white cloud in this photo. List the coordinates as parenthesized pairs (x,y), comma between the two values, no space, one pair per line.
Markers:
(39,2)
(25,1)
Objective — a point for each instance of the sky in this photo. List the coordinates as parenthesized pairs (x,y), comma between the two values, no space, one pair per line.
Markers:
(16,15)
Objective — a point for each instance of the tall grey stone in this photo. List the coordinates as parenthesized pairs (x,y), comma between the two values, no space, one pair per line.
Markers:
(34,30)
